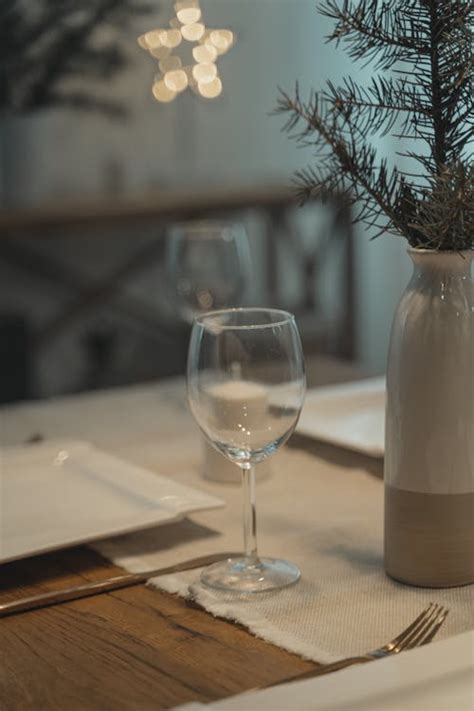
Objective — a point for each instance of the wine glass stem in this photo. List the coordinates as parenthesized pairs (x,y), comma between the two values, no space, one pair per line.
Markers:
(250,515)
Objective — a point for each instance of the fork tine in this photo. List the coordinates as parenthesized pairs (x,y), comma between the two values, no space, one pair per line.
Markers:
(430,629)
(420,631)
(436,627)
(412,639)
(412,628)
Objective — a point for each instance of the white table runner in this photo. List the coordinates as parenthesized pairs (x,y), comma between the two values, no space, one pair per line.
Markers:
(326,519)
(322,510)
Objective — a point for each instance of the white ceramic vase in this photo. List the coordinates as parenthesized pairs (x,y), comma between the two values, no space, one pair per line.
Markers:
(429,431)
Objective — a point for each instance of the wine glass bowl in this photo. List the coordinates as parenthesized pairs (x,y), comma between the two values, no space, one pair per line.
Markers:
(206,264)
(246,386)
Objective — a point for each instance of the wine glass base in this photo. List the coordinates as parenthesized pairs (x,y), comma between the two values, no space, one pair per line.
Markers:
(238,575)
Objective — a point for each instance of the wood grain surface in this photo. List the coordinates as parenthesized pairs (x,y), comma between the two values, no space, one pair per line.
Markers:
(132,649)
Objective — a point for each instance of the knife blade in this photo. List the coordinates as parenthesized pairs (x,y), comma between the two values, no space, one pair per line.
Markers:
(98,587)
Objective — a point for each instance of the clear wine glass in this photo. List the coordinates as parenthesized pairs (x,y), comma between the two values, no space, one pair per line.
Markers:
(246,384)
(207,264)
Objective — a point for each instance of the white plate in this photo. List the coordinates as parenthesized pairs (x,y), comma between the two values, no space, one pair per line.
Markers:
(62,493)
(436,677)
(351,415)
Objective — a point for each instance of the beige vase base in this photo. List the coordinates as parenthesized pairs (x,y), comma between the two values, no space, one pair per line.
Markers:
(432,538)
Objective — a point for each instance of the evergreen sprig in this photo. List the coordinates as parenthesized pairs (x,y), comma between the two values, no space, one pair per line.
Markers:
(429,98)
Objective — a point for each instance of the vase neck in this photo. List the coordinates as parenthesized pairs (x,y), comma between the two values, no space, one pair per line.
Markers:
(454,263)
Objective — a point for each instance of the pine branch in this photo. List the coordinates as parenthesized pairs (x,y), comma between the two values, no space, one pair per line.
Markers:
(428,46)
(441,214)
(374,29)
(356,161)
(380,105)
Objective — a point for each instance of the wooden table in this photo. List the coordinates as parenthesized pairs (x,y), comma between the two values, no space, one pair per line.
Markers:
(136,648)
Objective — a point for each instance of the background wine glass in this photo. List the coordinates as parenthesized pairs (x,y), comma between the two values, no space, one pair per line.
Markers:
(207,264)
(246,384)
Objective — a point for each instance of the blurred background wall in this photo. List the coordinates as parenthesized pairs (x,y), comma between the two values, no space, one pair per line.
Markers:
(62,154)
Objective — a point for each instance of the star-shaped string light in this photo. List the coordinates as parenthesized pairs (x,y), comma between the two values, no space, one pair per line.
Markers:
(200,74)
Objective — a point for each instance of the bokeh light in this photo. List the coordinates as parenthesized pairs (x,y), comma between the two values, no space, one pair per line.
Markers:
(170,63)
(189,15)
(174,78)
(152,39)
(160,52)
(170,38)
(193,32)
(163,93)
(204,54)
(204,73)
(210,90)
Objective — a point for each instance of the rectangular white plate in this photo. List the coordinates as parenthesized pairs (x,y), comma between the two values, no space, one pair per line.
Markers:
(351,415)
(61,493)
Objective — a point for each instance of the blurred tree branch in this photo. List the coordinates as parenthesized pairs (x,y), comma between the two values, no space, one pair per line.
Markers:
(46,44)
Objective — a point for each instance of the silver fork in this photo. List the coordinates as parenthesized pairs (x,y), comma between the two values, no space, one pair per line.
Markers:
(419,632)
